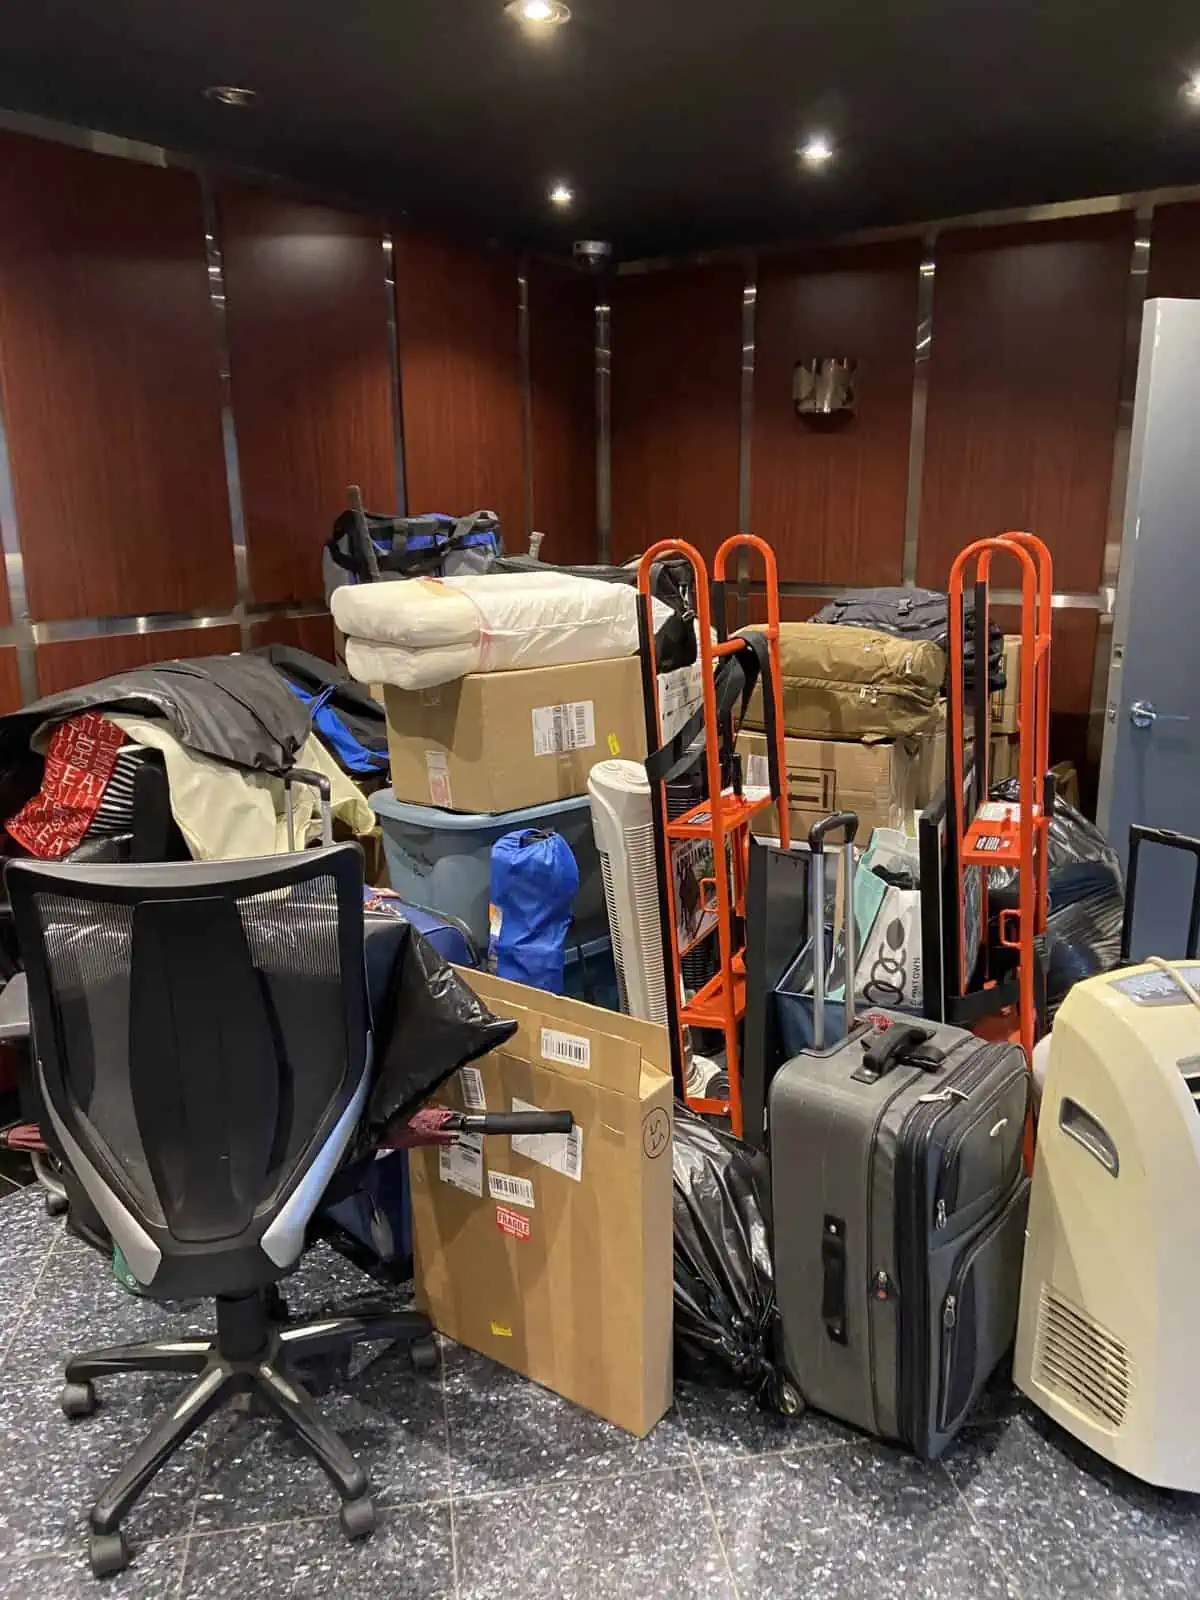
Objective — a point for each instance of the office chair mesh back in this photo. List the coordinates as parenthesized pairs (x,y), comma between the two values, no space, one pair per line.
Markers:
(203,1045)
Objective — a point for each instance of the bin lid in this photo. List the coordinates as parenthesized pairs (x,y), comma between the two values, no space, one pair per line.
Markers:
(385,804)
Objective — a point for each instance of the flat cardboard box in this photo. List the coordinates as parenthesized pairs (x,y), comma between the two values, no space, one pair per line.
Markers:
(878,781)
(554,1255)
(496,741)
(1006,700)
(1003,757)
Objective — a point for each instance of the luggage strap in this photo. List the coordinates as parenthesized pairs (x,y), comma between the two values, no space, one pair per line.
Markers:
(736,677)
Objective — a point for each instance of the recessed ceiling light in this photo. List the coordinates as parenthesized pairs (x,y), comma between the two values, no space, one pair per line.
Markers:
(541,13)
(228,94)
(1191,89)
(816,150)
(562,195)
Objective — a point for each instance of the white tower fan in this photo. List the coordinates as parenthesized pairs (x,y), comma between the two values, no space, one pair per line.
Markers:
(623,825)
(1110,1290)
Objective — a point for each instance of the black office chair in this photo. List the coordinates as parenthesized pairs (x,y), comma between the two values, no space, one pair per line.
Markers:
(202,1041)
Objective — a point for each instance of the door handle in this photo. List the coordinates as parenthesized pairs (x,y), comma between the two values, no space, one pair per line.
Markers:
(1143,715)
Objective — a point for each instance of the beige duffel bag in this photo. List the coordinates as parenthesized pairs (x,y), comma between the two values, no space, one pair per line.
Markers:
(854,683)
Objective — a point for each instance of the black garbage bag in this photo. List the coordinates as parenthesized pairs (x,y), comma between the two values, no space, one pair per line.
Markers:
(428,1023)
(1087,900)
(725,1320)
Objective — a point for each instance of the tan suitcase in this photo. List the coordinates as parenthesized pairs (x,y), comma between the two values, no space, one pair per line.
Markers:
(853,683)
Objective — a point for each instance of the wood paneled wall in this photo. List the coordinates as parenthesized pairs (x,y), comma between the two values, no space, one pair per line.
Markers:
(114,339)
(1024,383)
(109,377)
(562,375)
(676,406)
(310,374)
(830,492)
(460,378)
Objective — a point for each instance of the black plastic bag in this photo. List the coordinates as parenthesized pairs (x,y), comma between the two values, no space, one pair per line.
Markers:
(725,1320)
(1087,899)
(428,1024)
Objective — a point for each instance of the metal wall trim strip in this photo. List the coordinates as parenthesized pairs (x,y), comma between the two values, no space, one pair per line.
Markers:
(14,571)
(233,474)
(746,428)
(604,530)
(73,629)
(920,404)
(1100,600)
(397,394)
(525,356)
(1135,304)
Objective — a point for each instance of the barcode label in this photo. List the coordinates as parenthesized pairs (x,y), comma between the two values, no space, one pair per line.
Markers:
(570,726)
(440,792)
(998,811)
(570,1048)
(561,1152)
(461,1164)
(503,1186)
(758,773)
(470,1081)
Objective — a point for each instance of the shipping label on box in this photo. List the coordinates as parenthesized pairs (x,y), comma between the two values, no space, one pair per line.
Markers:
(558,1261)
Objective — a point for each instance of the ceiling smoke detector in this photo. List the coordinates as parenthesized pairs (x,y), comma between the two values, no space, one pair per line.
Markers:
(229,94)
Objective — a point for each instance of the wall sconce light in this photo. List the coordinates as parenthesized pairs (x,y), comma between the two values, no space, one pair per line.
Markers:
(825,386)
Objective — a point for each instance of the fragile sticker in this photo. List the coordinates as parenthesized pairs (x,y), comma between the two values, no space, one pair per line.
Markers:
(504,1186)
(513,1223)
(470,1081)
(561,1152)
(461,1164)
(572,1049)
(440,792)
(570,726)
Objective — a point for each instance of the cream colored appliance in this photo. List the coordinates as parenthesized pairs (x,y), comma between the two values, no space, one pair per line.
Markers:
(1108,1338)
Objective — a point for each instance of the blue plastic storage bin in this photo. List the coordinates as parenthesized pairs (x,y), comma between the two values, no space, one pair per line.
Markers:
(590,973)
(443,859)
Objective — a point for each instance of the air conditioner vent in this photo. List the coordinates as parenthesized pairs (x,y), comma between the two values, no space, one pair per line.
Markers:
(1081,1362)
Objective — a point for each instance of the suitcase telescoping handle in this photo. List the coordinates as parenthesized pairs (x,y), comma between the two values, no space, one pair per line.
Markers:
(838,820)
(1139,834)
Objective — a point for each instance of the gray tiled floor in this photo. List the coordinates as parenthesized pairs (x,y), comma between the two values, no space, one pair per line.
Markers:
(488,1486)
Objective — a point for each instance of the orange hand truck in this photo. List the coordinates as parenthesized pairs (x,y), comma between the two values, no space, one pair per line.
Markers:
(728,669)
(1000,834)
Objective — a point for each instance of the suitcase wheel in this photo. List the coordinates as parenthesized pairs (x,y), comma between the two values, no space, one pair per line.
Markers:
(790,1401)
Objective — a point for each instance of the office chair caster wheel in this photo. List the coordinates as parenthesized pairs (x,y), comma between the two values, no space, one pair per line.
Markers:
(790,1402)
(56,1205)
(358,1517)
(424,1355)
(108,1553)
(78,1400)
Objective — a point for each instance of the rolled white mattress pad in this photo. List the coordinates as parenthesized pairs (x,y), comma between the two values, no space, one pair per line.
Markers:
(421,632)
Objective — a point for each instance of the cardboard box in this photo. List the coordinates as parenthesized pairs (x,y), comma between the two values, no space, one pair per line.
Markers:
(877,781)
(1003,757)
(554,1255)
(1006,700)
(495,741)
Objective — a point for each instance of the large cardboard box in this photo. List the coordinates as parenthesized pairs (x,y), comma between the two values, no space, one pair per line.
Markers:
(496,741)
(878,781)
(1005,701)
(553,1255)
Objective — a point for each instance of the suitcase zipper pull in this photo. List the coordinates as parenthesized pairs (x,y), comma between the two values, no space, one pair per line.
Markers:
(939,1216)
(950,1312)
(938,1095)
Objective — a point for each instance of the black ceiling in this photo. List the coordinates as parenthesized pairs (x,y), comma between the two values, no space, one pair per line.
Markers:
(675,119)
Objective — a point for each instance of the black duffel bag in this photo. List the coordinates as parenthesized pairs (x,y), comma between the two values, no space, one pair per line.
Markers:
(918,614)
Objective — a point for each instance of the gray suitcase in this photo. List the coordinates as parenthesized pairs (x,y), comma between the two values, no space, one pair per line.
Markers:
(899,1197)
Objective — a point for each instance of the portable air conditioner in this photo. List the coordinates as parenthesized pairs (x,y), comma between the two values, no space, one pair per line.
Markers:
(623,825)
(1110,1291)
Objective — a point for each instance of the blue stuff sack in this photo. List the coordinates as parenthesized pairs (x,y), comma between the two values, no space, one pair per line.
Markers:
(535,879)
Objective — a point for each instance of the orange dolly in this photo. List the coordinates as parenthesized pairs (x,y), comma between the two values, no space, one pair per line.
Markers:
(999,834)
(723,819)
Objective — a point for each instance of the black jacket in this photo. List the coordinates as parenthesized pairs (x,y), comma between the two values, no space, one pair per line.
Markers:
(236,709)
